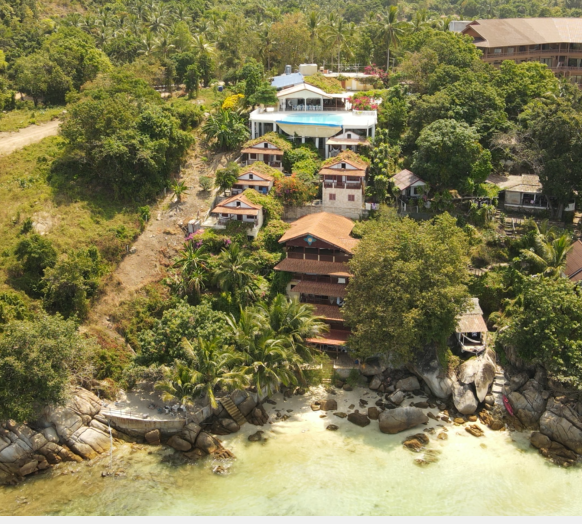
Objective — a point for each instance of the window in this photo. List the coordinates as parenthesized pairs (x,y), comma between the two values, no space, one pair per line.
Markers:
(343,165)
(265,145)
(349,135)
(510,50)
(253,156)
(237,203)
(251,176)
(341,280)
(332,196)
(547,61)
(351,198)
(497,51)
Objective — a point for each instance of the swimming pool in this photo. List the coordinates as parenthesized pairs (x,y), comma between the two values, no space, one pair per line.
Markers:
(316,119)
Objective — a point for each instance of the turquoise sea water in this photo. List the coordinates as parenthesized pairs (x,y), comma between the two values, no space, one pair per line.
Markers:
(303,469)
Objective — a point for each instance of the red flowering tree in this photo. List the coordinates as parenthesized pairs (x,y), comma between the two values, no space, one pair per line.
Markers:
(382,75)
(293,191)
(363,103)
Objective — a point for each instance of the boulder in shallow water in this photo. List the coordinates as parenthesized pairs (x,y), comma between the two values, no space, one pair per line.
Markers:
(416,442)
(401,419)
(359,419)
(179,444)
(206,443)
(332,427)
(539,441)
(396,398)
(474,430)
(373,413)
(561,424)
(328,405)
(153,437)
(528,404)
(190,432)
(256,437)
(464,398)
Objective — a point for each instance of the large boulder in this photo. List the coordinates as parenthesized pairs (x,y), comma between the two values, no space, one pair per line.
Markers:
(247,405)
(408,384)
(400,419)
(479,371)
(153,437)
(434,376)
(179,444)
(190,432)
(464,398)
(359,419)
(369,369)
(85,403)
(89,442)
(561,424)
(396,398)
(206,443)
(376,382)
(528,404)
(328,405)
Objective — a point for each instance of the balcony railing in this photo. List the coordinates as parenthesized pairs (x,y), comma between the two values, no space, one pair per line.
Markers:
(342,185)
(321,258)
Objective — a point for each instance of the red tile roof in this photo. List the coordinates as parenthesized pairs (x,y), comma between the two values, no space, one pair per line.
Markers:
(335,337)
(329,312)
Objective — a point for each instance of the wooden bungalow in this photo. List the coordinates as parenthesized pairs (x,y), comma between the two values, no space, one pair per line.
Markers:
(318,248)
(253,177)
(238,208)
(471,330)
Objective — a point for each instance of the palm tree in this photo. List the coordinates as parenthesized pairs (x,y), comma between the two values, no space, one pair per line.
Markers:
(420,21)
(216,368)
(179,189)
(227,127)
(391,30)
(192,263)
(314,27)
(547,257)
(236,273)
(339,37)
(179,383)
(269,359)
(289,318)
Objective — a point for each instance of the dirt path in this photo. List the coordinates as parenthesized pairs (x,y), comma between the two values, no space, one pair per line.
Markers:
(10,142)
(162,238)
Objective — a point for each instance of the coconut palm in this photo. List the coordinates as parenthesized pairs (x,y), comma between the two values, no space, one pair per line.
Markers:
(547,257)
(192,263)
(339,36)
(314,26)
(236,273)
(289,318)
(179,383)
(419,21)
(391,30)
(217,368)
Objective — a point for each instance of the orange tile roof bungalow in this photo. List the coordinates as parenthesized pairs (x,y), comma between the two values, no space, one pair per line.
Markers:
(238,208)
(253,178)
(318,248)
(573,269)
(556,42)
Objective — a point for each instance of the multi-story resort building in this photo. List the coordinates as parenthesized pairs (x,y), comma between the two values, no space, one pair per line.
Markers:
(307,112)
(318,248)
(343,181)
(556,42)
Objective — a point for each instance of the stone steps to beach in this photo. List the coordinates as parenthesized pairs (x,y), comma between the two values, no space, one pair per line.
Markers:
(498,387)
(233,411)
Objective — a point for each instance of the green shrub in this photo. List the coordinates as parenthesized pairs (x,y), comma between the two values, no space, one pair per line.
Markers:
(272,208)
(206,183)
(35,254)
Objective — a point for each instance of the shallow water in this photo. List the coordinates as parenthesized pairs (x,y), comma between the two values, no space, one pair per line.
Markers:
(302,469)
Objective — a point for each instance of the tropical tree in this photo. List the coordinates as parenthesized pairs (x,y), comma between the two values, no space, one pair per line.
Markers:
(179,189)
(226,177)
(339,36)
(391,30)
(314,26)
(178,383)
(227,128)
(235,273)
(193,271)
(547,252)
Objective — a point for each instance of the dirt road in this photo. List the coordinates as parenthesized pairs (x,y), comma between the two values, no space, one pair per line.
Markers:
(10,142)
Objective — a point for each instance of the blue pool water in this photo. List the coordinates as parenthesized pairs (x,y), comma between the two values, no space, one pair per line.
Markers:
(307,118)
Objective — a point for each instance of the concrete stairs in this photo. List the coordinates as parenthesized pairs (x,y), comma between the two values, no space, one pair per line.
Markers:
(233,411)
(498,387)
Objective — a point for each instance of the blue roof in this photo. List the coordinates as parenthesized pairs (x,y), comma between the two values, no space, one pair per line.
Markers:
(282,81)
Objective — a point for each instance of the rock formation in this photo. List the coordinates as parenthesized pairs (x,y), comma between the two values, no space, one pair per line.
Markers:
(400,419)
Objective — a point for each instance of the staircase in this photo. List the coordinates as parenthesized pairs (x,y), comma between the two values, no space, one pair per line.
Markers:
(498,387)
(233,411)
